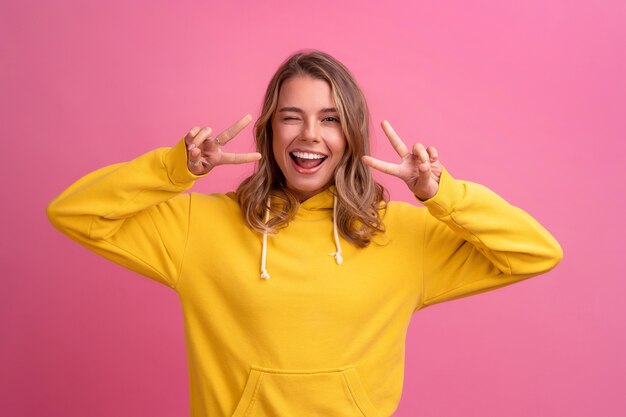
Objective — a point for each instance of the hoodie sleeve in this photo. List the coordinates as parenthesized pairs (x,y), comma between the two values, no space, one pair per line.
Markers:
(132,213)
(475,242)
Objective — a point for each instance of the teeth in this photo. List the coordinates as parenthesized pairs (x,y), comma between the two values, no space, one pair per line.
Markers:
(307,155)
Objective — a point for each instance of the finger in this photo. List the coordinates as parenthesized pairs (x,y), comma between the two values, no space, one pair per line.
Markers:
(423,159)
(382,166)
(195,160)
(200,137)
(191,134)
(232,131)
(240,158)
(395,140)
(433,153)
(420,152)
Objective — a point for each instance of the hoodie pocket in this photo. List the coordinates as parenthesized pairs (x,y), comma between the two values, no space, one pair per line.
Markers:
(333,392)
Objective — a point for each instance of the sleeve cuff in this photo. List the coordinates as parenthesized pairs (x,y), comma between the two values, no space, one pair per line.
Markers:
(449,194)
(175,161)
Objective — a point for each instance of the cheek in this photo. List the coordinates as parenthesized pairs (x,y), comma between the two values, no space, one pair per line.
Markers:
(278,151)
(339,146)
(278,148)
(278,139)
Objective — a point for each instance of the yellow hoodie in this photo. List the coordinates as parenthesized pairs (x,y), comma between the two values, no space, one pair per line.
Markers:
(318,338)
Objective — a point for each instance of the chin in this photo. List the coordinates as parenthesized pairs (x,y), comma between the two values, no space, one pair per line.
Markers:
(306,189)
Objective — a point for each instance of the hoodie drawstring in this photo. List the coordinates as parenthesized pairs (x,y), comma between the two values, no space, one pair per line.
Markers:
(337,254)
(264,273)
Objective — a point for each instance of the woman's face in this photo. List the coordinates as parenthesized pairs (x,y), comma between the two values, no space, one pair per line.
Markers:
(308,142)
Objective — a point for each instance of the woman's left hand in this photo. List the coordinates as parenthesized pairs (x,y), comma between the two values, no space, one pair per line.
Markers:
(419,169)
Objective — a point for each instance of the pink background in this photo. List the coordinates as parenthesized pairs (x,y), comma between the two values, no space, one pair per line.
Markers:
(527,98)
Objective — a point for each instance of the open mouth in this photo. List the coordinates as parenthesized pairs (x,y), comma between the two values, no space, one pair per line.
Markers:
(307,160)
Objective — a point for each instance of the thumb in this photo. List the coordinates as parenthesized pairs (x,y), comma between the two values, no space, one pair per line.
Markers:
(194,161)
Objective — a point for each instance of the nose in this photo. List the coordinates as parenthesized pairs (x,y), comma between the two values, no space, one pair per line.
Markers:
(311,132)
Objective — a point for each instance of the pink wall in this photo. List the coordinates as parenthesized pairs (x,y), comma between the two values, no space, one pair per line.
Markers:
(527,98)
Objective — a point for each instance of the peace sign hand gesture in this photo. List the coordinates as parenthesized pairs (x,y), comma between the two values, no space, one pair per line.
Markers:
(420,169)
(205,152)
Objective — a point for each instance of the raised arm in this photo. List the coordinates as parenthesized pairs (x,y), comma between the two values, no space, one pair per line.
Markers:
(134,213)
(475,241)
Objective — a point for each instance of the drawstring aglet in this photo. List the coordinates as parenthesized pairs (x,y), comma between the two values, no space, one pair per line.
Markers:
(337,256)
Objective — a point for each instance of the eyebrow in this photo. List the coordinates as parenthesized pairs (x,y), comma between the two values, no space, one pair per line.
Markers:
(299,110)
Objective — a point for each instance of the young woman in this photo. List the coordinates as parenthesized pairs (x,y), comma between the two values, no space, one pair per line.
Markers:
(274,325)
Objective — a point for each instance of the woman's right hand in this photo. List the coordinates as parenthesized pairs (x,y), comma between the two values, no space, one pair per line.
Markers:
(205,152)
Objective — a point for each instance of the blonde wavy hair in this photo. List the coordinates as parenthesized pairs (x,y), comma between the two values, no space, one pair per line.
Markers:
(359,197)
